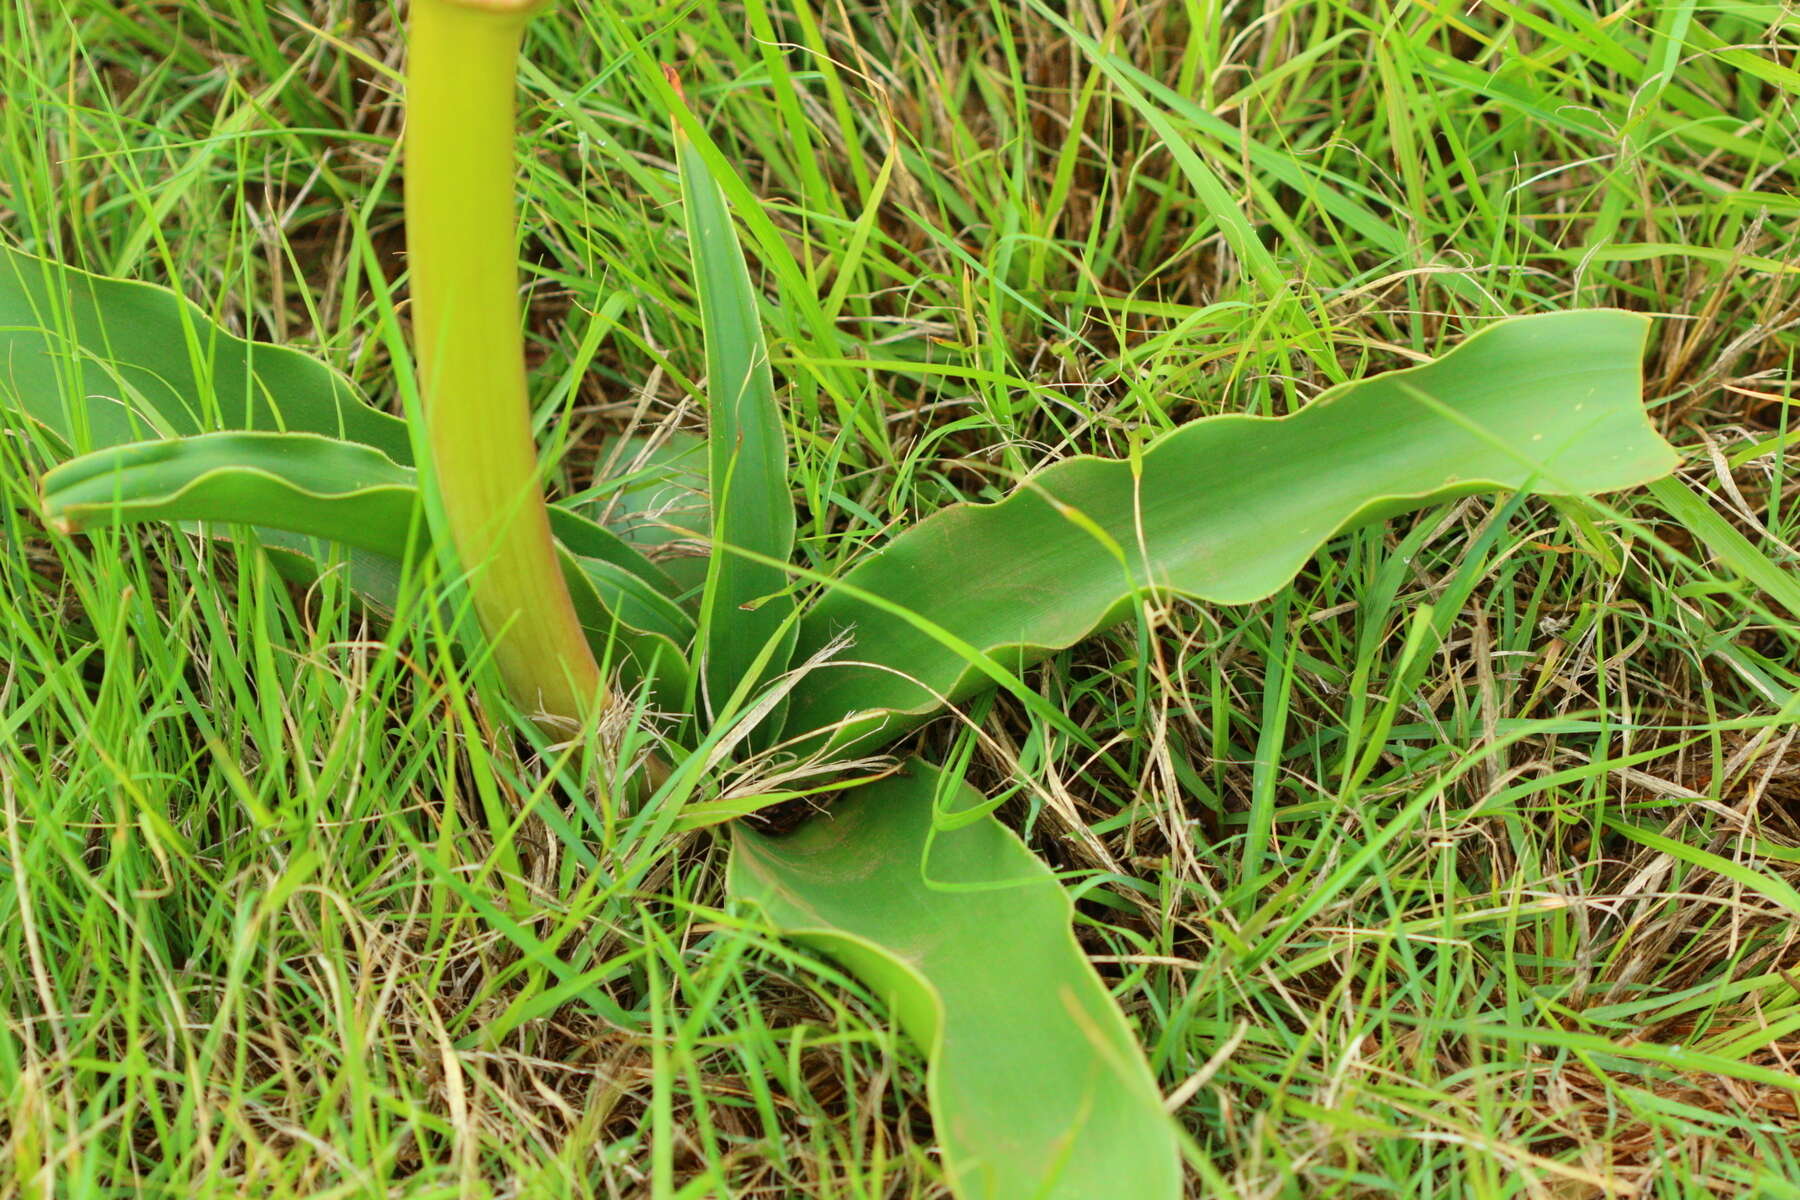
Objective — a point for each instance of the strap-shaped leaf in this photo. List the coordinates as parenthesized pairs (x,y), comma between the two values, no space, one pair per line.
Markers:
(104,363)
(1226,509)
(99,362)
(303,483)
(1037,1086)
(745,602)
(355,496)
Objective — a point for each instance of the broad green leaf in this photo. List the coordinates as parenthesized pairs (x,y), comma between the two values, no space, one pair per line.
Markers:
(745,602)
(299,482)
(654,495)
(639,607)
(586,540)
(1725,544)
(1037,1086)
(1226,510)
(99,362)
(338,491)
(96,362)
(346,493)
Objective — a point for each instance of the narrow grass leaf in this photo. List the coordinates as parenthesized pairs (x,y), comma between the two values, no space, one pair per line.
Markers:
(1723,541)
(1771,887)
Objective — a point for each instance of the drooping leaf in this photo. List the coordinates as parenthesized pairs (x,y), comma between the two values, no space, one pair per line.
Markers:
(745,603)
(1226,509)
(346,493)
(300,482)
(95,362)
(98,362)
(1037,1086)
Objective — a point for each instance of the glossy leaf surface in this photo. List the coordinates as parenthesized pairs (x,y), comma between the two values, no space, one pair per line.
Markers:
(1226,510)
(298,482)
(355,496)
(1036,1082)
(98,362)
(654,496)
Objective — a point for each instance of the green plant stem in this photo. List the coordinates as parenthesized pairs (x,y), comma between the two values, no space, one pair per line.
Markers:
(461,241)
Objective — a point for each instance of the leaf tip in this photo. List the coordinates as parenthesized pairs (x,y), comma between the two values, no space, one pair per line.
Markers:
(54,515)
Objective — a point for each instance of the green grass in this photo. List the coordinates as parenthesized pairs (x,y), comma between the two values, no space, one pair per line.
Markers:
(1465,867)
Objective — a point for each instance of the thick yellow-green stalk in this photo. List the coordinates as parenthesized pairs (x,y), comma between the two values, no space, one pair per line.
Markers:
(466,329)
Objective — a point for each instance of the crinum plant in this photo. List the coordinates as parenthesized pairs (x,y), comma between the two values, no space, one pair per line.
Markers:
(1036,1082)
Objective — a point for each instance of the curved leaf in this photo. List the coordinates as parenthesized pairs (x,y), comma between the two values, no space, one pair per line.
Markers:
(355,496)
(322,488)
(1036,1082)
(746,602)
(1226,509)
(638,605)
(653,495)
(589,539)
(104,364)
(299,482)
(99,362)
